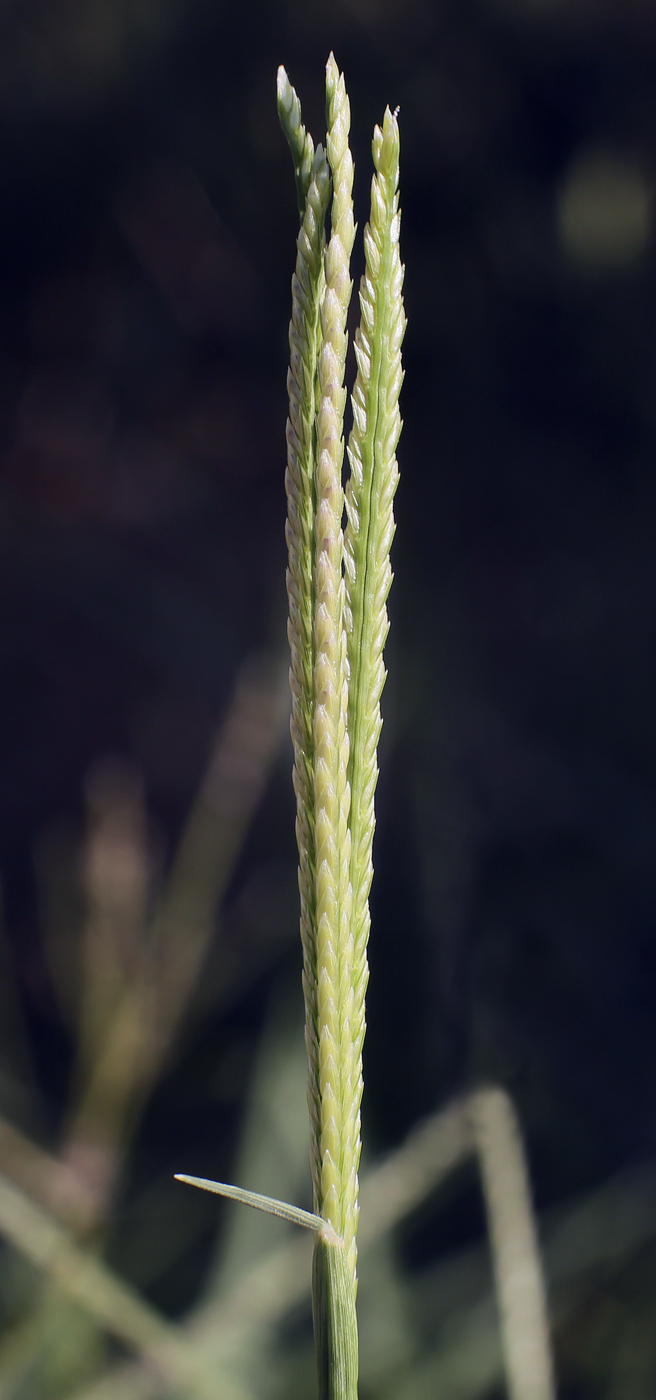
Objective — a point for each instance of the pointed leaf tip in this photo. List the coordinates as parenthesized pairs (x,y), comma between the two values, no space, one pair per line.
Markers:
(293,1214)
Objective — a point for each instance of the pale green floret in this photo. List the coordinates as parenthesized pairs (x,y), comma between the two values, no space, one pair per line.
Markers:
(341,164)
(300,141)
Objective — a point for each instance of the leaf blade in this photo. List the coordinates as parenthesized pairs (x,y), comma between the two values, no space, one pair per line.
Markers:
(283,1209)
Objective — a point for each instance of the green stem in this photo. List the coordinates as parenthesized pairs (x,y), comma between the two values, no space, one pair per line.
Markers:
(335,1321)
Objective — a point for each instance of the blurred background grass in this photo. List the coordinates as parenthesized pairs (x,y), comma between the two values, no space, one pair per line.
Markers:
(150,1004)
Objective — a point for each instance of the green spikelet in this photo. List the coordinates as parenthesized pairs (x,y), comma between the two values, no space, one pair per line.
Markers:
(300,141)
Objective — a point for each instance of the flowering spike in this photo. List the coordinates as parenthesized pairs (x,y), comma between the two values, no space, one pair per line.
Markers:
(338,586)
(304,340)
(332,793)
(370,523)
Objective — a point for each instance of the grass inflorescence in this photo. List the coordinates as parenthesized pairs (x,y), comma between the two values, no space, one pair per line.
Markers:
(338,581)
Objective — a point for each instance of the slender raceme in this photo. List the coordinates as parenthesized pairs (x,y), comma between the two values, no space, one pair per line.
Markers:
(335,1123)
(369,531)
(304,332)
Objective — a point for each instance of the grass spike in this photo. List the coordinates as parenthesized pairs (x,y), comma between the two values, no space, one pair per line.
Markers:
(370,526)
(332,793)
(300,482)
(337,587)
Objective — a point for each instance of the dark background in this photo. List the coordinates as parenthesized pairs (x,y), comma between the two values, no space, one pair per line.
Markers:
(147,227)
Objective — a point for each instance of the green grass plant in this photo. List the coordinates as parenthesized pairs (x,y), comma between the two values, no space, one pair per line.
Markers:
(337,582)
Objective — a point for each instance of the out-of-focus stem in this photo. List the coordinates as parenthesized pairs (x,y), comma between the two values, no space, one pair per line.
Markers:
(515,1250)
(115,1305)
